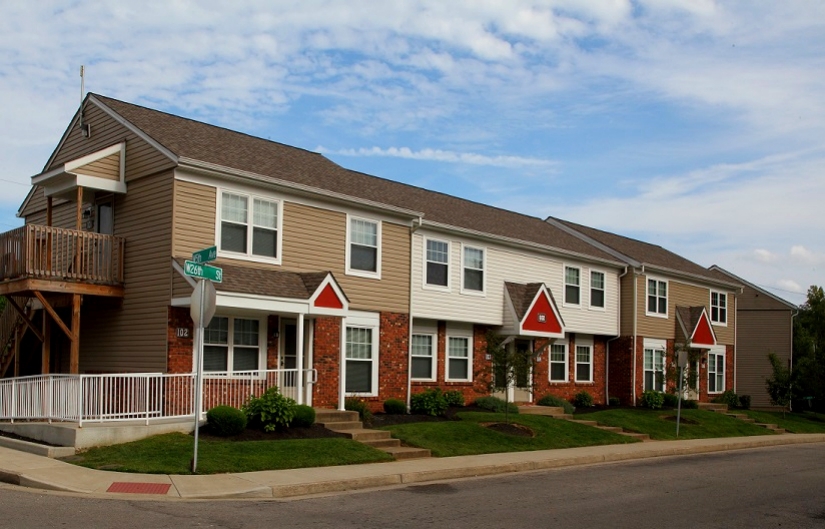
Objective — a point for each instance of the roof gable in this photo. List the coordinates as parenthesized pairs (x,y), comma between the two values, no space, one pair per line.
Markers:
(695,326)
(535,310)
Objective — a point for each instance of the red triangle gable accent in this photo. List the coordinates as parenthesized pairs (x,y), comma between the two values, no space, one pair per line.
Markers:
(328,299)
(703,334)
(542,309)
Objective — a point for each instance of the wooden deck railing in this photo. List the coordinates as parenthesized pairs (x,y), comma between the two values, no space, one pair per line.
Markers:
(46,252)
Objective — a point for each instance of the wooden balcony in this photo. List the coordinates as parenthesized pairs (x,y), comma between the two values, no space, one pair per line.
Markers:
(48,259)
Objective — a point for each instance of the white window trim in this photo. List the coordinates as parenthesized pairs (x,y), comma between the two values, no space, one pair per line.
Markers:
(249,256)
(727,311)
(262,348)
(355,271)
(550,363)
(658,347)
(433,357)
(647,297)
(484,271)
(718,351)
(374,359)
(584,342)
(590,305)
(424,261)
(564,286)
(458,333)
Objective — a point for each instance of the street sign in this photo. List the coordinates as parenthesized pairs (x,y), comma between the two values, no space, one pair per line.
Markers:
(205,255)
(203,271)
(204,292)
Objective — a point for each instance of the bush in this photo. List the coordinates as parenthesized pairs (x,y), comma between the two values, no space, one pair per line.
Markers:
(653,399)
(271,411)
(454,398)
(552,400)
(304,416)
(361,407)
(583,399)
(670,400)
(690,404)
(496,405)
(395,407)
(745,402)
(226,421)
(430,402)
(614,401)
(729,398)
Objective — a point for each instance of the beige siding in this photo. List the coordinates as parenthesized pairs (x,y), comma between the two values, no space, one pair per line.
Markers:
(108,168)
(180,286)
(131,335)
(760,332)
(194,223)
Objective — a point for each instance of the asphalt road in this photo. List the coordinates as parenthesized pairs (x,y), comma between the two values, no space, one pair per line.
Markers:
(771,487)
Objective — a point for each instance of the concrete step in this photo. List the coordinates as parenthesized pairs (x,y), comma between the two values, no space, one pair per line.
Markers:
(640,436)
(341,426)
(766,425)
(616,429)
(712,406)
(326,415)
(584,422)
(550,411)
(365,435)
(407,452)
(382,443)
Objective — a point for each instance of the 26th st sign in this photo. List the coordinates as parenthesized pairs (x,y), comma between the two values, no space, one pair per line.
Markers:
(203,271)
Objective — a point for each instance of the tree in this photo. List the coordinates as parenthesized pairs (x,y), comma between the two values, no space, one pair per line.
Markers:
(510,366)
(809,351)
(780,384)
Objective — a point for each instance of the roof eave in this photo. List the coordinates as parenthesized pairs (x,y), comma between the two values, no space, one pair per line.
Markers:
(695,277)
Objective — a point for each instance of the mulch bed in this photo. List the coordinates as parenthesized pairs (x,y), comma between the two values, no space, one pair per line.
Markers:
(384,419)
(316,431)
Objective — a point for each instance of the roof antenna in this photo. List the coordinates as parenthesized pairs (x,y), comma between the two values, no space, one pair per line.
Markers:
(85,128)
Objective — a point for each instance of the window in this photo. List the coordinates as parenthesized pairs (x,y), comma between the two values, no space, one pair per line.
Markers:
(438,259)
(423,357)
(360,368)
(364,250)
(716,372)
(558,362)
(473,269)
(719,308)
(249,225)
(597,289)
(458,358)
(572,279)
(657,297)
(654,369)
(232,344)
(584,363)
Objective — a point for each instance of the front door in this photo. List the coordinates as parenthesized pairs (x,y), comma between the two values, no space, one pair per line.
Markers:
(288,359)
(520,382)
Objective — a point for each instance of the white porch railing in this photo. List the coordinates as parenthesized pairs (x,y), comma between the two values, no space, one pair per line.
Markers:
(137,396)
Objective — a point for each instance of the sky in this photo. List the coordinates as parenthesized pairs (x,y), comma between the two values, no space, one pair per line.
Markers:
(697,125)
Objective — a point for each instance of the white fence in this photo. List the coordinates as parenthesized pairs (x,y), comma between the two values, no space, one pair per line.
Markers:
(138,396)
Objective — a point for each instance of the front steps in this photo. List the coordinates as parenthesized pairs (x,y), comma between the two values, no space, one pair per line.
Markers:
(558,413)
(347,422)
(723,408)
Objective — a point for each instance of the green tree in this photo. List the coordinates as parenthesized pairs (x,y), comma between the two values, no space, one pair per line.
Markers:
(809,352)
(510,366)
(780,384)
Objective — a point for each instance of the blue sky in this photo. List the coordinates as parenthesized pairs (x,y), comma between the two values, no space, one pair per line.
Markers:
(693,124)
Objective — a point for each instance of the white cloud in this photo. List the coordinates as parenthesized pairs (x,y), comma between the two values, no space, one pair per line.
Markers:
(790,285)
(765,256)
(438,155)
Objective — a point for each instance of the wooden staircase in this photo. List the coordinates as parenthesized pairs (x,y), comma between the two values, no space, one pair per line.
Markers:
(558,413)
(346,422)
(10,324)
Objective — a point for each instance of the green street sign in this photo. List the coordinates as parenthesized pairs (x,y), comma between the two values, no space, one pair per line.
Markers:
(205,255)
(203,271)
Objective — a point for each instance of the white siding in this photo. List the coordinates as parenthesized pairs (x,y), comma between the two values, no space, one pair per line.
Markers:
(507,264)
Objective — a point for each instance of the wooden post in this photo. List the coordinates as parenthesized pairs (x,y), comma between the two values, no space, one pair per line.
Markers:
(74,358)
(79,221)
(49,235)
(45,368)
(48,211)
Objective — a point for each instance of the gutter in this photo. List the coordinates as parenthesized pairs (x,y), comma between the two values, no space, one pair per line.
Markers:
(416,225)
(618,335)
(635,330)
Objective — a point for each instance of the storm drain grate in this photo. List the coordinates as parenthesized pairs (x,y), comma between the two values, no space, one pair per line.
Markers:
(139,488)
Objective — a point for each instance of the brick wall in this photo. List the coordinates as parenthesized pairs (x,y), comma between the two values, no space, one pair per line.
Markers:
(179,348)
(567,390)
(621,369)
(326,355)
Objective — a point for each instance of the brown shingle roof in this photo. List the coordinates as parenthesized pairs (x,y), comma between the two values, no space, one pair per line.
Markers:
(522,296)
(207,143)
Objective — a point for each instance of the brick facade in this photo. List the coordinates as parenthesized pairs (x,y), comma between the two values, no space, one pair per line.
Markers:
(326,361)
(567,390)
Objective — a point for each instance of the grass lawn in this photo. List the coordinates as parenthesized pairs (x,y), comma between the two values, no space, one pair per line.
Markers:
(793,422)
(171,454)
(468,437)
(652,422)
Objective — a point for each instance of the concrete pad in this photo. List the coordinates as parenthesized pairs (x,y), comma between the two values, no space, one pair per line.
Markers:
(37,449)
(219,486)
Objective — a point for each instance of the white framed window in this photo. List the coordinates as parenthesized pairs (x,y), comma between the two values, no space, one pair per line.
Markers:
(361,361)
(716,371)
(657,298)
(363,247)
(654,368)
(423,361)
(584,359)
(718,308)
(437,263)
(596,289)
(472,278)
(249,226)
(459,364)
(558,362)
(572,285)
(232,345)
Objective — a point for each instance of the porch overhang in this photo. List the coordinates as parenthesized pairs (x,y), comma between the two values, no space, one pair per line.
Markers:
(531,311)
(104,170)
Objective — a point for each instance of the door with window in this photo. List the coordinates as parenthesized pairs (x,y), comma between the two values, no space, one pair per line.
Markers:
(520,383)
(288,357)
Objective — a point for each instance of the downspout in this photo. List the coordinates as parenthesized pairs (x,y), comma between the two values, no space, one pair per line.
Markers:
(618,334)
(735,341)
(416,225)
(635,329)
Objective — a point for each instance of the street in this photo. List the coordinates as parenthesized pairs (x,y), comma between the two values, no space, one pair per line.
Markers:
(772,487)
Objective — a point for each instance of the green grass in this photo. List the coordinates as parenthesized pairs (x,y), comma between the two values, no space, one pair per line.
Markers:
(468,437)
(806,422)
(171,454)
(652,422)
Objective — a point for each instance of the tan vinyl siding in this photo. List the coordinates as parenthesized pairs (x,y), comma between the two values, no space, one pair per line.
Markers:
(64,215)
(760,332)
(133,335)
(194,223)
(108,168)
(180,286)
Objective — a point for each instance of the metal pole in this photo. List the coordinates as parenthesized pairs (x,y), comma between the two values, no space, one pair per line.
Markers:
(679,405)
(198,376)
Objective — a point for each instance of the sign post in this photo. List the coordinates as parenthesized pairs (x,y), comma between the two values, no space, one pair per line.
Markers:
(681,361)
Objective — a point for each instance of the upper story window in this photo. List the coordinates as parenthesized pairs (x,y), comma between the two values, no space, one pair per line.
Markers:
(719,308)
(363,247)
(249,225)
(597,289)
(656,297)
(572,285)
(438,263)
(473,269)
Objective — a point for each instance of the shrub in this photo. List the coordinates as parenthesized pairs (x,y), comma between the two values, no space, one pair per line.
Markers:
(614,401)
(496,405)
(745,402)
(690,404)
(304,416)
(271,411)
(395,407)
(670,400)
(226,421)
(583,399)
(729,398)
(552,400)
(454,398)
(430,402)
(653,399)
(360,406)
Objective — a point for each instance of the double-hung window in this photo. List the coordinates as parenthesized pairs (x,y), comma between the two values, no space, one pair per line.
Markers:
(459,361)
(361,361)
(654,368)
(558,362)
(364,250)
(249,225)
(597,289)
(232,345)
(473,280)
(657,297)
(584,363)
(572,285)
(716,372)
(438,263)
(719,308)
(423,357)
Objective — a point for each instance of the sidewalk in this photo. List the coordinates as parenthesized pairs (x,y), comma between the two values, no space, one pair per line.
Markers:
(28,470)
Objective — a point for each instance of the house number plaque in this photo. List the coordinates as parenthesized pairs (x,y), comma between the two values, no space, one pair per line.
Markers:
(182,332)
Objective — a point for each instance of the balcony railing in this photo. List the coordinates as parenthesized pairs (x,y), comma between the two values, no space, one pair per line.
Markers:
(46,252)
